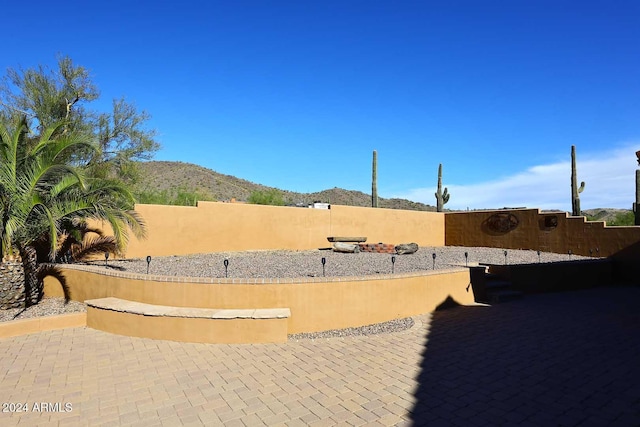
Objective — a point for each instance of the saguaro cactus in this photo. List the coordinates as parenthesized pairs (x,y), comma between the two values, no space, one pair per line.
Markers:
(441,197)
(374,180)
(575,190)
(636,205)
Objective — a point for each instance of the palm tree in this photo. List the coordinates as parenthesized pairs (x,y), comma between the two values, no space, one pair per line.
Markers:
(44,198)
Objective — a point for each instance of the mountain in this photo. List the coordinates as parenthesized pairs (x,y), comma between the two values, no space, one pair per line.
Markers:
(610,216)
(173,177)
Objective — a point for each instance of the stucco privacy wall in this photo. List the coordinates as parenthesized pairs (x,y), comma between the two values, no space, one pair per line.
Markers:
(316,304)
(218,227)
(551,232)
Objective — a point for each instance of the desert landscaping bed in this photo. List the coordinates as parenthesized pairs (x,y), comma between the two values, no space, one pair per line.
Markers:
(291,264)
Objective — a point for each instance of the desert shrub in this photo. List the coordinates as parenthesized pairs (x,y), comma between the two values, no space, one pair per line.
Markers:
(179,196)
(623,219)
(267,197)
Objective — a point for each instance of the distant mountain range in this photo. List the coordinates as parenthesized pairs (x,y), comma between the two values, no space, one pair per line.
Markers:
(172,177)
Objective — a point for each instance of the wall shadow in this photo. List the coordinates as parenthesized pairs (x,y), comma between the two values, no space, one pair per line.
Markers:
(626,268)
(557,276)
(51,270)
(549,359)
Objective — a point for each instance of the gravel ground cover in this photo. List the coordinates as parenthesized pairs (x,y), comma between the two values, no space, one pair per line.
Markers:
(378,328)
(291,264)
(46,307)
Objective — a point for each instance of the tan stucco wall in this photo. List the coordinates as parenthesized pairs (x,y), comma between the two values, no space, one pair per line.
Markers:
(219,331)
(315,305)
(572,233)
(219,227)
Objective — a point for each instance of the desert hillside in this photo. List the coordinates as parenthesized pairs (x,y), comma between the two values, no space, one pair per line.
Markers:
(172,177)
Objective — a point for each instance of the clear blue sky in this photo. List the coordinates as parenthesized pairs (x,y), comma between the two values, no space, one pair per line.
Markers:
(297,94)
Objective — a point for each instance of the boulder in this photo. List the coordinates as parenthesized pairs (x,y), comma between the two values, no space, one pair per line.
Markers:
(345,247)
(406,248)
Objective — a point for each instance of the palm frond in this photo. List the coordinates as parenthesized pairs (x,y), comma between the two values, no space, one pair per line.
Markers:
(45,138)
(94,245)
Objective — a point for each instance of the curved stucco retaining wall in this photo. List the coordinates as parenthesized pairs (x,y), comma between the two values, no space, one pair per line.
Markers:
(316,304)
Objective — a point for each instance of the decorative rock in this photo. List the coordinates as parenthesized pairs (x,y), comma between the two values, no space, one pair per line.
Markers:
(406,248)
(345,247)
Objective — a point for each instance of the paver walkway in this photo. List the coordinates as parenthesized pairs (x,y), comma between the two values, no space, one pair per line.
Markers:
(556,359)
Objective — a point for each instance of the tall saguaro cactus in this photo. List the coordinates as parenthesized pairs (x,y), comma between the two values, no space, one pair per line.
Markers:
(575,190)
(441,197)
(636,205)
(374,180)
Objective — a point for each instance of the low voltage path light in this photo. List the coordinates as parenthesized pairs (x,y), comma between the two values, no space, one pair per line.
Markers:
(590,252)
(505,257)
(324,261)
(106,257)
(226,268)
(570,253)
(393,264)
(434,260)
(538,257)
(598,252)
(466,259)
(148,262)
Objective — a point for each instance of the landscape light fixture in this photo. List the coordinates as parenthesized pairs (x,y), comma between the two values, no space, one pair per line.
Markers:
(538,257)
(324,261)
(106,257)
(590,252)
(148,262)
(226,268)
(598,252)
(466,259)
(434,260)
(505,257)
(570,253)
(393,264)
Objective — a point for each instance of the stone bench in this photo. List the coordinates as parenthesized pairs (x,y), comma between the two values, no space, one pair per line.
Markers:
(188,324)
(347,239)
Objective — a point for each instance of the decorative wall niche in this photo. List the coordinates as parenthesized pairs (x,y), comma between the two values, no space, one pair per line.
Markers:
(500,223)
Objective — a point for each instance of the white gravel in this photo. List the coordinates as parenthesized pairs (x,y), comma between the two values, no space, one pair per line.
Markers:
(377,328)
(292,264)
(46,307)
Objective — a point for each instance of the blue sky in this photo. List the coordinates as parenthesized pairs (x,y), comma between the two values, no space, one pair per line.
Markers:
(297,94)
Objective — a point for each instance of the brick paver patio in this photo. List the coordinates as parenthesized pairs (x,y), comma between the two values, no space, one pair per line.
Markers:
(557,359)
